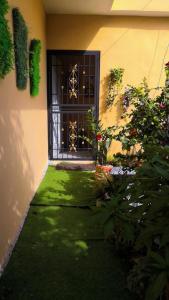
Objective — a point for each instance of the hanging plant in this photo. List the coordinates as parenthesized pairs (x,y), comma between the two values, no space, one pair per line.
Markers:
(21,49)
(6,46)
(114,84)
(34,66)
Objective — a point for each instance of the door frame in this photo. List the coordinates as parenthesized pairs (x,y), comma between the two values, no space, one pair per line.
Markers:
(96,53)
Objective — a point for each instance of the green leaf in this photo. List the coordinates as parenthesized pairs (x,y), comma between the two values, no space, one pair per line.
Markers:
(156,288)
(158,258)
(108,228)
(167,256)
(129,232)
(165,237)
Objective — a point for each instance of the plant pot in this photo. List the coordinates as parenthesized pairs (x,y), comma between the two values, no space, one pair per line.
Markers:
(104,169)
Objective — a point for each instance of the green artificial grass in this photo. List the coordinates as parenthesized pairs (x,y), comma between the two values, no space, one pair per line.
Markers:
(53,224)
(61,254)
(66,188)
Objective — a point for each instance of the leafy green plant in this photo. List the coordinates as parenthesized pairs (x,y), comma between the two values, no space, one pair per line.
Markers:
(127,161)
(34,66)
(21,49)
(99,138)
(114,84)
(136,215)
(159,279)
(6,46)
(115,212)
(116,218)
(149,277)
(147,120)
(150,189)
(131,93)
(137,218)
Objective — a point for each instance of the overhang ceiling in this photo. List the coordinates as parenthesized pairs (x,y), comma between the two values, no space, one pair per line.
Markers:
(108,7)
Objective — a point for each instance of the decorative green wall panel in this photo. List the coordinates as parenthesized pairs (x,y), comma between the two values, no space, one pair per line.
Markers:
(21,49)
(6,46)
(34,66)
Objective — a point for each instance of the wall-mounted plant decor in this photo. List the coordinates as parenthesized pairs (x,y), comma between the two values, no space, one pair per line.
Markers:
(34,66)
(21,49)
(114,84)
(6,46)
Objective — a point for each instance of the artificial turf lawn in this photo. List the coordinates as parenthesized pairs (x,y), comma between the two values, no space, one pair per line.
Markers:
(61,253)
(66,188)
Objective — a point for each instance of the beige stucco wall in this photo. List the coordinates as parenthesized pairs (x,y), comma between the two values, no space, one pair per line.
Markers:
(23,136)
(137,44)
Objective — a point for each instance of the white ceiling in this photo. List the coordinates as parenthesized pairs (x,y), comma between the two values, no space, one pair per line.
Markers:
(108,7)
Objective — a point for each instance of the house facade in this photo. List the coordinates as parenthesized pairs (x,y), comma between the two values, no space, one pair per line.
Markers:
(96,35)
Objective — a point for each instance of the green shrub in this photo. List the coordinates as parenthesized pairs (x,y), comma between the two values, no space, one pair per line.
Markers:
(21,49)
(147,120)
(6,46)
(98,137)
(152,272)
(136,214)
(34,66)
(137,219)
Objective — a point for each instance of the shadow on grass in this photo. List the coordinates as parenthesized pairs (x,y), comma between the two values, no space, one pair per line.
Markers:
(66,187)
(61,254)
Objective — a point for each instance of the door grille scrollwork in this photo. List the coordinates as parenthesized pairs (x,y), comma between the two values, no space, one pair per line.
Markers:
(73,82)
(73,136)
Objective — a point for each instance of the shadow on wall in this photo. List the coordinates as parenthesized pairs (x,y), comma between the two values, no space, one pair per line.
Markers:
(16,178)
(115,37)
(104,83)
(89,26)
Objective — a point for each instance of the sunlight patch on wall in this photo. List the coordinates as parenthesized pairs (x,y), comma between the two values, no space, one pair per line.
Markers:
(144,5)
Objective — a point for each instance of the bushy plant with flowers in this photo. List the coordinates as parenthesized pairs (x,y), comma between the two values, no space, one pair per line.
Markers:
(99,138)
(136,217)
(148,119)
